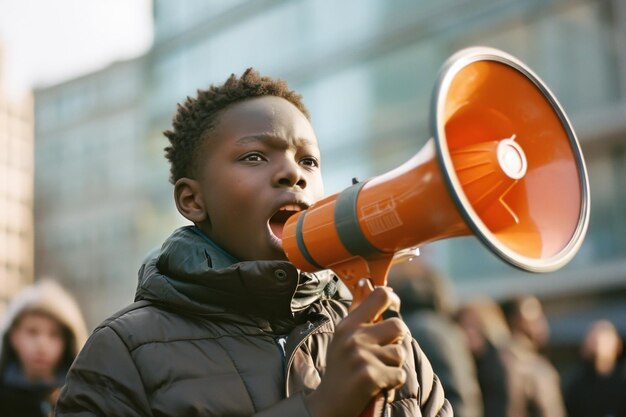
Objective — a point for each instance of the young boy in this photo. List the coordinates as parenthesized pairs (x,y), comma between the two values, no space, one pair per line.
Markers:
(42,332)
(223,325)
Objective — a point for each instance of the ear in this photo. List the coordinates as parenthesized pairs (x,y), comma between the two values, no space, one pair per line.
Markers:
(189,202)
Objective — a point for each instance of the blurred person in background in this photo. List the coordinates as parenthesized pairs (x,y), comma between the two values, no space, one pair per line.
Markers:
(42,331)
(534,383)
(598,388)
(487,335)
(427,308)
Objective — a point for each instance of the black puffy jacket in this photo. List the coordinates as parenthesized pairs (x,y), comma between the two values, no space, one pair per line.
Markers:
(203,339)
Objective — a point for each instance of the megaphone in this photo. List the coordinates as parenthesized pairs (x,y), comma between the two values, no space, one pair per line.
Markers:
(503,164)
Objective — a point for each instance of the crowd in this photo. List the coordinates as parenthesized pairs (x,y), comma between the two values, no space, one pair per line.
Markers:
(496,368)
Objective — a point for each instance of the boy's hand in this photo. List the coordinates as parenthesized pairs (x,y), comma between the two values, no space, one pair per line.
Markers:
(363,358)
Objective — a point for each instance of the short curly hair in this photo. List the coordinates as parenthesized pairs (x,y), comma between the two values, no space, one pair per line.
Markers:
(196,117)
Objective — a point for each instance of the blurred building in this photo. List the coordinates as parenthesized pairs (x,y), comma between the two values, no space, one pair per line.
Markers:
(366,69)
(16,194)
(94,216)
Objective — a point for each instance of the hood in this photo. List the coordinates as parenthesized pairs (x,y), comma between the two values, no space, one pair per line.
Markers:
(191,274)
(50,298)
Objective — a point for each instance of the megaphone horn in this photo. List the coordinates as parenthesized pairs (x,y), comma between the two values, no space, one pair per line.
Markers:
(503,164)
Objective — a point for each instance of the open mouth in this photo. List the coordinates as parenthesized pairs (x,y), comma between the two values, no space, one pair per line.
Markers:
(278,219)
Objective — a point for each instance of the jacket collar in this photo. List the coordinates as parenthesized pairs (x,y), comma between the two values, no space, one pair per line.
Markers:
(192,274)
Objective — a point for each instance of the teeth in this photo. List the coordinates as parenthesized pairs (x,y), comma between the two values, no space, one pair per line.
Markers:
(290,207)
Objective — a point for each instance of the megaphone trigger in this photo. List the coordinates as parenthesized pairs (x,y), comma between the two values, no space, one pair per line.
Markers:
(405,255)
(360,291)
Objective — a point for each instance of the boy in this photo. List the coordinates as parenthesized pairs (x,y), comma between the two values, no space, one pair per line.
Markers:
(42,332)
(224,325)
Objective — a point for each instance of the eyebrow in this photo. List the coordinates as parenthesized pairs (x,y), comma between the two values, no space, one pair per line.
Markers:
(272,140)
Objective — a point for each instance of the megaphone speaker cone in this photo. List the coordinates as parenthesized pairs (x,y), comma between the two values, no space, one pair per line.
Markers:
(503,164)
(537,217)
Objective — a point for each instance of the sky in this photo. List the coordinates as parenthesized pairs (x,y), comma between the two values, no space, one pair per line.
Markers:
(45,42)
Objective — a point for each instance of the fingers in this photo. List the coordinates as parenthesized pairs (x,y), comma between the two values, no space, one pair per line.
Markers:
(385,332)
(378,376)
(391,355)
(376,350)
(361,321)
(396,377)
(391,394)
(372,307)
(365,357)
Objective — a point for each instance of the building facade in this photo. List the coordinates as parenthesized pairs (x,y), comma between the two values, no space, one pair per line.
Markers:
(94,217)
(16,194)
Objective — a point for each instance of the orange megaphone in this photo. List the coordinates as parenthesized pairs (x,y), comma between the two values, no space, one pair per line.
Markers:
(503,164)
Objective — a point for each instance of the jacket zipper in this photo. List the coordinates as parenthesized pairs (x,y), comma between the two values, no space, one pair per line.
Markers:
(305,335)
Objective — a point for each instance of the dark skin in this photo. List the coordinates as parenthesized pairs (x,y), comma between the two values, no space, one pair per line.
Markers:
(262,157)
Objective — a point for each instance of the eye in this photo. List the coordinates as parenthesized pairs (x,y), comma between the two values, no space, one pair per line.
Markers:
(310,161)
(253,157)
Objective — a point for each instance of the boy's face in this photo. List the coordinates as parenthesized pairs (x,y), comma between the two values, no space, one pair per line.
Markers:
(261,165)
(38,341)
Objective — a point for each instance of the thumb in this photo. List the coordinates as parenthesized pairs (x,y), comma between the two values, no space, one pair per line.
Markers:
(374,305)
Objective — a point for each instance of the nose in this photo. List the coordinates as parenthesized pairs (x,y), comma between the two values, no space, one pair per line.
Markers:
(289,174)
(40,342)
